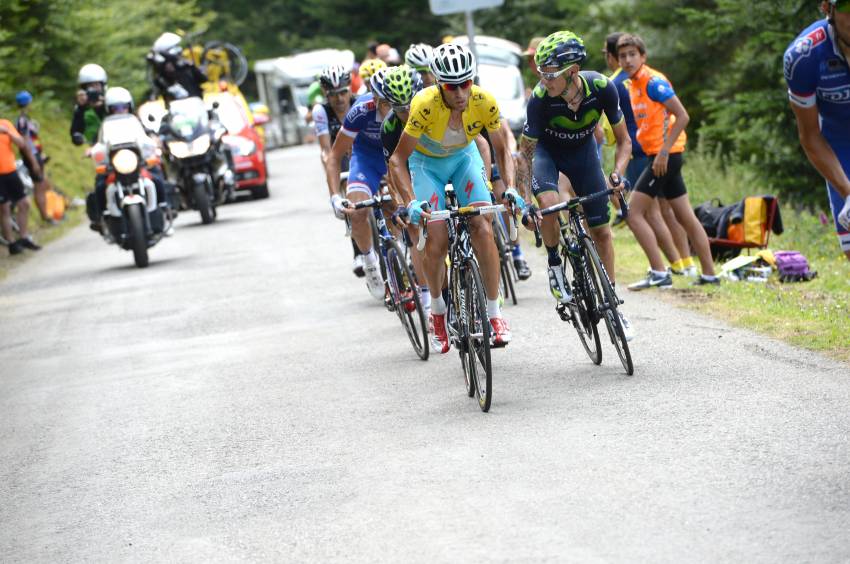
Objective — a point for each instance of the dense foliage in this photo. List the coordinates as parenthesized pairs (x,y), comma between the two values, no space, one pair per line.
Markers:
(723,56)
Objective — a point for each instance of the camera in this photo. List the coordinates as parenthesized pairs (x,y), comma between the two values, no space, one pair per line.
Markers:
(94,95)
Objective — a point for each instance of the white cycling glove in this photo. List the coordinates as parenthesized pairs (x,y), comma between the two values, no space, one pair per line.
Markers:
(336,204)
(844,214)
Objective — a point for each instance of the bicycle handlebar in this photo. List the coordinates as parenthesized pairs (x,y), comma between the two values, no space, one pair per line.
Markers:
(574,202)
(370,203)
(466,211)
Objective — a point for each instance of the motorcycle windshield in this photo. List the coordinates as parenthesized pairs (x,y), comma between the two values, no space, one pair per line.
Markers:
(121,129)
(188,118)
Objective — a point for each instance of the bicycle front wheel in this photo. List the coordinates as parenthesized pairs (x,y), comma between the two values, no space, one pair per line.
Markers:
(506,267)
(584,304)
(478,335)
(406,300)
(608,304)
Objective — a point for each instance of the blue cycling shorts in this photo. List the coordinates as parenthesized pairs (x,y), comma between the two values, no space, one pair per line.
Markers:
(464,169)
(365,173)
(836,201)
(581,165)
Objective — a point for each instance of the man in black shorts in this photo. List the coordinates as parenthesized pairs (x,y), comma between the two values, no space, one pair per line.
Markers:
(12,189)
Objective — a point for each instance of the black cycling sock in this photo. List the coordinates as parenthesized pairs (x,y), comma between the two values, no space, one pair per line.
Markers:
(445,293)
(554,257)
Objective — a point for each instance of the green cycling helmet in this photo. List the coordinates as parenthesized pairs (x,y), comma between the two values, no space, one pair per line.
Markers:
(560,49)
(401,84)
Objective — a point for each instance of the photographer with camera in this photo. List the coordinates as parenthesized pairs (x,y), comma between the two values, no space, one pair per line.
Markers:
(174,77)
(90,110)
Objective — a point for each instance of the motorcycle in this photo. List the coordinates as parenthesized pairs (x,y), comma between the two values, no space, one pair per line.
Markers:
(134,219)
(196,159)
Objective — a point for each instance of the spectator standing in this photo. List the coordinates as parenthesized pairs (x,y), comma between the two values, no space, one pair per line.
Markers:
(12,189)
(661,120)
(29,129)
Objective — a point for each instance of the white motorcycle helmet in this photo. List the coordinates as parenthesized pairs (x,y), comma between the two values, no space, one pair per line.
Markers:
(167,45)
(118,98)
(91,73)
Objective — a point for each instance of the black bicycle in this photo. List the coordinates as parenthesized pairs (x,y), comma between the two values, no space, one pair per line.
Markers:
(594,297)
(402,292)
(466,319)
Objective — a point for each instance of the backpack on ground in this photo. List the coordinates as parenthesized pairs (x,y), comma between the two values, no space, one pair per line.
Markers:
(793,267)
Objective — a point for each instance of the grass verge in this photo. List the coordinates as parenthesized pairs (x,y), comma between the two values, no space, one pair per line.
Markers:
(814,315)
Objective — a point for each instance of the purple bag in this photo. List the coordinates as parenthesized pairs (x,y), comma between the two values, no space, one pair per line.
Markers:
(793,267)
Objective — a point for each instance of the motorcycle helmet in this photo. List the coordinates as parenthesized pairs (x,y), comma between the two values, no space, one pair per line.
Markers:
(168,45)
(118,100)
(91,73)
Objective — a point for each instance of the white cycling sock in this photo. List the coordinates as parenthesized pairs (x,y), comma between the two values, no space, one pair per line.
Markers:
(425,297)
(438,305)
(659,272)
(371,257)
(493,309)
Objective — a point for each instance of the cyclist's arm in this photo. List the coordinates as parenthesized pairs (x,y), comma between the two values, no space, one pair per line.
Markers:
(325,146)
(675,107)
(504,158)
(510,138)
(398,165)
(484,149)
(333,166)
(523,173)
(818,151)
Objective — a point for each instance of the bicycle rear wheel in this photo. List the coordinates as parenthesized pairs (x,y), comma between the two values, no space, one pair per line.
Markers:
(477,330)
(406,300)
(608,304)
(505,261)
(584,304)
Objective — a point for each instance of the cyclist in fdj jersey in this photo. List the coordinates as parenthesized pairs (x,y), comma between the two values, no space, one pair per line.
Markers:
(438,141)
(818,76)
(562,115)
(418,56)
(328,116)
(361,136)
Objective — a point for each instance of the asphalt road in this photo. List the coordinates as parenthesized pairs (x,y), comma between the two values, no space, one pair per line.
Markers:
(244,398)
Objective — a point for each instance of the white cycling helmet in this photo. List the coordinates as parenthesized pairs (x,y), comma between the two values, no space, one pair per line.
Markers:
(91,73)
(453,64)
(377,83)
(118,96)
(419,56)
(335,77)
(168,44)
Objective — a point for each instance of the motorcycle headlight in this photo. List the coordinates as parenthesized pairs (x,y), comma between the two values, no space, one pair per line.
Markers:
(201,145)
(125,161)
(179,149)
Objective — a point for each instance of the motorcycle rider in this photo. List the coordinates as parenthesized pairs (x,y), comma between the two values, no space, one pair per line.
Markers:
(174,77)
(89,110)
(118,101)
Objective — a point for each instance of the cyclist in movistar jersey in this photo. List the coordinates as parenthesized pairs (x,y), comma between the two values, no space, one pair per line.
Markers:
(818,76)
(360,136)
(438,141)
(562,115)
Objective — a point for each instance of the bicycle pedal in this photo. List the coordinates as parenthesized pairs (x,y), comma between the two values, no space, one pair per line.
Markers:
(564,312)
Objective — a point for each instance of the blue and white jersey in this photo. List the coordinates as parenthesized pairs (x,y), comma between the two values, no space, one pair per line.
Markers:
(817,75)
(363,124)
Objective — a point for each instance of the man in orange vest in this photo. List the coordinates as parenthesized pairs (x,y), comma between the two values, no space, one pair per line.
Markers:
(661,120)
(12,189)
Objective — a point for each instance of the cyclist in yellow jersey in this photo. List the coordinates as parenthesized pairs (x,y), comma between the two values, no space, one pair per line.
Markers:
(437,144)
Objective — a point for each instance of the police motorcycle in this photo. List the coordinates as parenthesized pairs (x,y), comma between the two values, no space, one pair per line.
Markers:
(196,162)
(133,217)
